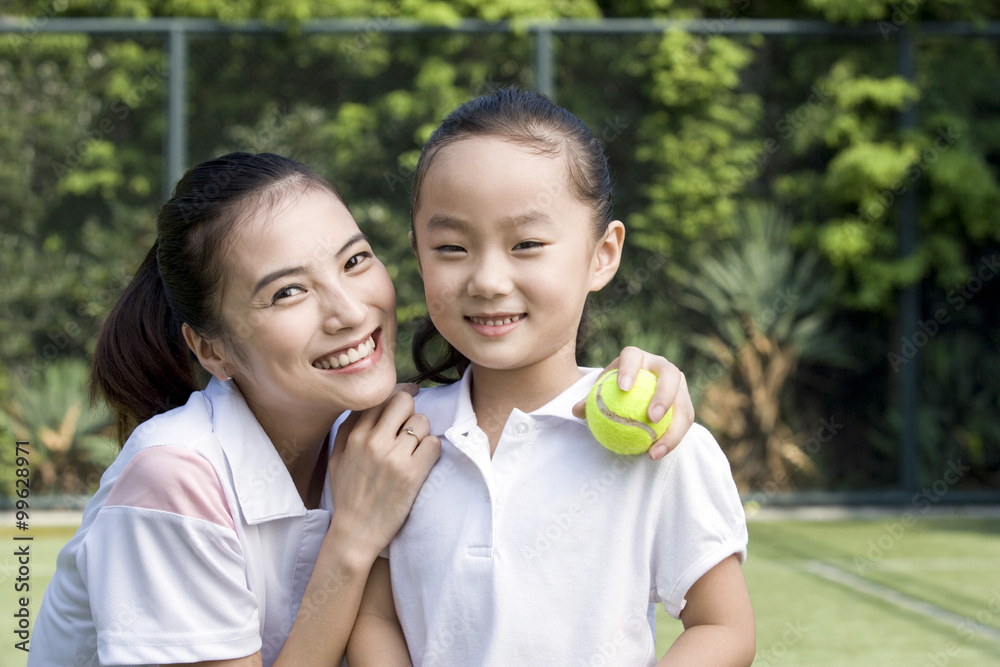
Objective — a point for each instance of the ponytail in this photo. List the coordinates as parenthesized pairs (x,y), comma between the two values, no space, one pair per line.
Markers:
(444,365)
(142,365)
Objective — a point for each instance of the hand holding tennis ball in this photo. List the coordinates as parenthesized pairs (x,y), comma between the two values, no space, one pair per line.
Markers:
(619,419)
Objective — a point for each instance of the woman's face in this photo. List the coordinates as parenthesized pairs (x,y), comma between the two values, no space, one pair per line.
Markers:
(309,311)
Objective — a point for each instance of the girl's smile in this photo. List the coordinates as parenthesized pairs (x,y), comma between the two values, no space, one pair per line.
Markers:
(496,325)
(508,253)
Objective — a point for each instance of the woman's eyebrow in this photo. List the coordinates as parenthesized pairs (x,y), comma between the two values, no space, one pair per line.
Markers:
(298,270)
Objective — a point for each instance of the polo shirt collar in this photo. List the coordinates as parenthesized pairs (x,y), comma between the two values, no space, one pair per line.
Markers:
(264,489)
(452,409)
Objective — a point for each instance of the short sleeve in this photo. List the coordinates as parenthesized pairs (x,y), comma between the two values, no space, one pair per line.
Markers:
(164,567)
(701,520)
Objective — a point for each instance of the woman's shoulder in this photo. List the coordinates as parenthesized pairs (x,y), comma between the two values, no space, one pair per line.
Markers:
(167,464)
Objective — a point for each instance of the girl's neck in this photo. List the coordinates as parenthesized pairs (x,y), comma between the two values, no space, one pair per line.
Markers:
(495,393)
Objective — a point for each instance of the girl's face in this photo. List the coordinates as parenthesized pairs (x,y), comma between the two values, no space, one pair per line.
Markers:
(507,252)
(309,311)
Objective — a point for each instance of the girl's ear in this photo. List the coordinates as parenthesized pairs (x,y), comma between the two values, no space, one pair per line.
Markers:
(608,255)
(413,245)
(210,355)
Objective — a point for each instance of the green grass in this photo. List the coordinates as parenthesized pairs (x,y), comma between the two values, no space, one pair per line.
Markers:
(44,548)
(803,620)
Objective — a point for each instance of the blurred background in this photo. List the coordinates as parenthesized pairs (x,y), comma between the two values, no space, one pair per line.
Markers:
(811,191)
(813,206)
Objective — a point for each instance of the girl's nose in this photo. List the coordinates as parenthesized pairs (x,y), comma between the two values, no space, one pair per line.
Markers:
(490,278)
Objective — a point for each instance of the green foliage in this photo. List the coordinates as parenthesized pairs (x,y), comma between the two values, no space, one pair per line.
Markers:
(767,311)
(695,127)
(69,439)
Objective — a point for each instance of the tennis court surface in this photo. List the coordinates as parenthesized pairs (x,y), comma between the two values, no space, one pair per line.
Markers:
(898,589)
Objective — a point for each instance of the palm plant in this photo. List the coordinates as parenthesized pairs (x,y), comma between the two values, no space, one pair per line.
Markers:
(765,305)
(69,438)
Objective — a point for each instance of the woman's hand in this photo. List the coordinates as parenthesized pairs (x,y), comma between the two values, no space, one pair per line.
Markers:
(380,459)
(671,390)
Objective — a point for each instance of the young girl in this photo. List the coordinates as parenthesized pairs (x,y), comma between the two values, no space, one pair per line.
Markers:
(530,543)
(213,536)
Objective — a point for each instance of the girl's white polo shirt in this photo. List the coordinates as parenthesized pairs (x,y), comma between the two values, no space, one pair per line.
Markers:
(196,547)
(551,552)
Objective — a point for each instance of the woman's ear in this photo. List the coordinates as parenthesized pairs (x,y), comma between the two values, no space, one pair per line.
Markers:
(608,255)
(210,354)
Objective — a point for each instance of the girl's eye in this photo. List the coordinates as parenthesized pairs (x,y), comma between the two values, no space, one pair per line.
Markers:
(449,248)
(528,245)
(358,259)
(286,292)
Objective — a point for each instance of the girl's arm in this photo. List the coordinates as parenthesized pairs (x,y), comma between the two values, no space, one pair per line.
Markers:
(671,389)
(378,637)
(376,470)
(718,621)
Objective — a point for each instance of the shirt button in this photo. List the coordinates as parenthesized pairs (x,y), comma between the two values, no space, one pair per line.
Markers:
(521,429)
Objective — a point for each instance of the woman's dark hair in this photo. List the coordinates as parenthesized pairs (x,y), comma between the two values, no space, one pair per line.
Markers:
(533,120)
(142,366)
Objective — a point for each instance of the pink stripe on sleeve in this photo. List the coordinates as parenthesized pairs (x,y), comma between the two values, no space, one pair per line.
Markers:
(172,479)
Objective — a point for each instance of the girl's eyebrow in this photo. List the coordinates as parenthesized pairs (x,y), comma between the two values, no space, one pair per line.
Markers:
(299,270)
(441,221)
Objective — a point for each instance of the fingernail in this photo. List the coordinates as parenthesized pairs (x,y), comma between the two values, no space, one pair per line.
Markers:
(657,412)
(625,382)
(659,451)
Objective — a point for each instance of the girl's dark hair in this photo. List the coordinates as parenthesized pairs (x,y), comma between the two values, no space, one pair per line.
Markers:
(533,120)
(142,366)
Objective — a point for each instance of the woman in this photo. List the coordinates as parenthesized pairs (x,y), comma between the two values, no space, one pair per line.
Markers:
(212,538)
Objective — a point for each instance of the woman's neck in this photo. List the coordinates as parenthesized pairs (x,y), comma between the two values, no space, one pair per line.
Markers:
(495,393)
(300,445)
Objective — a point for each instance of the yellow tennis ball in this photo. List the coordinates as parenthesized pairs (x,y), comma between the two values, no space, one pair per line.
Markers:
(619,419)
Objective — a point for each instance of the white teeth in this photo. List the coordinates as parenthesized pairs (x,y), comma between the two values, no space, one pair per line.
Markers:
(352,355)
(496,322)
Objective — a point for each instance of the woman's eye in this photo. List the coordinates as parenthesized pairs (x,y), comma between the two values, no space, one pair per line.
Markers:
(528,245)
(357,259)
(286,292)
(449,248)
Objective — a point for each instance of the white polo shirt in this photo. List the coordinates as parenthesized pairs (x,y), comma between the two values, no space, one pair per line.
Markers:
(196,547)
(550,552)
